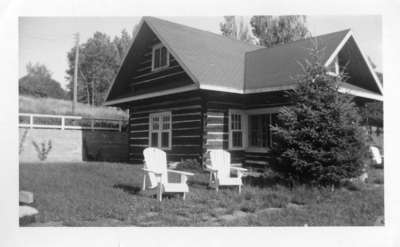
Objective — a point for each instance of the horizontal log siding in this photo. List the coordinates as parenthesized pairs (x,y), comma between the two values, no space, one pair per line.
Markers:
(186,110)
(199,123)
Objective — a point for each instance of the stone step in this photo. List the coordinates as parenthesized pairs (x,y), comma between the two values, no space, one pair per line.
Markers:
(27,215)
(25,197)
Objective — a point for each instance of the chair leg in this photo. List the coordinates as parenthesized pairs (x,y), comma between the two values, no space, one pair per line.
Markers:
(240,189)
(184,196)
(144,183)
(159,193)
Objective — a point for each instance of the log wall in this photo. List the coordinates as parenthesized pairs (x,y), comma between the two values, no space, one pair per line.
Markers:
(216,121)
(186,111)
(199,123)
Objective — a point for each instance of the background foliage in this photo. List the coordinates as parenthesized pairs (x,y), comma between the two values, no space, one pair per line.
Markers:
(99,60)
(266,30)
(39,83)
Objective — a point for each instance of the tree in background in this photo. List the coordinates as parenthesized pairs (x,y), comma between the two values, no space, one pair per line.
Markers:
(319,140)
(99,60)
(234,27)
(39,83)
(275,30)
(122,44)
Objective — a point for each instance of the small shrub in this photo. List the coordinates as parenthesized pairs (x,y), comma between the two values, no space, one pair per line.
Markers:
(378,181)
(42,150)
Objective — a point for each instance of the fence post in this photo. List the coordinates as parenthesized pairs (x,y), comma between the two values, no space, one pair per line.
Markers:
(31,121)
(120,125)
(62,122)
(92,124)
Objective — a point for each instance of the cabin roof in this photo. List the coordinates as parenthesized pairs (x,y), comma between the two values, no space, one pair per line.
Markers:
(211,58)
(279,65)
(215,62)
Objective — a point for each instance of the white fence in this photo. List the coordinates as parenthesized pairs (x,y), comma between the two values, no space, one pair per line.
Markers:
(45,121)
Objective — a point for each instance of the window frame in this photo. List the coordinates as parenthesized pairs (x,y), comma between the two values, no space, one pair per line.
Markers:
(243,129)
(269,134)
(262,111)
(160,130)
(158,46)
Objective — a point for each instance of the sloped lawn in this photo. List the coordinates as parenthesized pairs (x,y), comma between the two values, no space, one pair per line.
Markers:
(108,194)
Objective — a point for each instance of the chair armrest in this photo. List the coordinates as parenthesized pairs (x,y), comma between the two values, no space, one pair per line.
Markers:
(156,173)
(181,172)
(239,169)
(209,168)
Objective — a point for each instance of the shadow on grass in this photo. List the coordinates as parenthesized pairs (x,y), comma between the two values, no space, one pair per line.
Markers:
(198,184)
(133,190)
(150,193)
(264,181)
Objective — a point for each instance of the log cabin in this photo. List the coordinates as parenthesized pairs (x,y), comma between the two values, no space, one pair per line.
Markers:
(189,90)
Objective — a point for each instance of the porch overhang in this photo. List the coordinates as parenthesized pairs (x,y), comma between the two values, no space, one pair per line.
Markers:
(359,92)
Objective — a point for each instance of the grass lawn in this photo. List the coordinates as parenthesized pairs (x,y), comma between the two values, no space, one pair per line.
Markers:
(108,194)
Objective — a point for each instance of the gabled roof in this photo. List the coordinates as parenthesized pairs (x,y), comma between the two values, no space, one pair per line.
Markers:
(279,65)
(219,63)
(211,58)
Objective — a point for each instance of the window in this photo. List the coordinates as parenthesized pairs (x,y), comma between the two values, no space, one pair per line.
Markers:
(260,131)
(160,57)
(160,130)
(251,129)
(236,129)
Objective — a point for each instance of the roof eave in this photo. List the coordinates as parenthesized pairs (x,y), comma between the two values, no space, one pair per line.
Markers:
(134,36)
(151,95)
(361,94)
(339,48)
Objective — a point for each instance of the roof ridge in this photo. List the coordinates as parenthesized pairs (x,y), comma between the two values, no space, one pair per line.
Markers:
(205,31)
(304,39)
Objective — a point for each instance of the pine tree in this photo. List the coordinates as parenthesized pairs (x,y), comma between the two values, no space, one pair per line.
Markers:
(319,139)
(275,30)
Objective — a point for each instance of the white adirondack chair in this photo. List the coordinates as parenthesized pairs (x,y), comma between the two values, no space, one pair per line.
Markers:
(220,170)
(376,155)
(155,168)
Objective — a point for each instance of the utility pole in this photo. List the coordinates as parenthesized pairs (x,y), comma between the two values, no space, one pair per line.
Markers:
(75,87)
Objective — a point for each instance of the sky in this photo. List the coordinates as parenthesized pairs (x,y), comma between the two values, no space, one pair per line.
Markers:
(47,40)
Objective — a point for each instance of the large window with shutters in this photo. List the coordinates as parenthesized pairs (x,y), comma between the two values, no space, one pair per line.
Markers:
(160,130)
(160,57)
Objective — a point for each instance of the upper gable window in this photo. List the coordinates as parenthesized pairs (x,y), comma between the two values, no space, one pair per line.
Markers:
(160,57)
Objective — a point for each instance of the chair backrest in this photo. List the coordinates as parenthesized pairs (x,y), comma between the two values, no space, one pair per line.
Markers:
(221,161)
(155,160)
(376,155)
